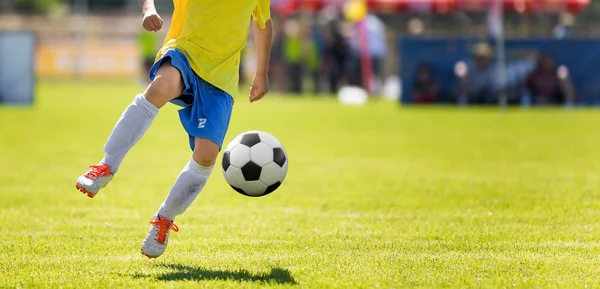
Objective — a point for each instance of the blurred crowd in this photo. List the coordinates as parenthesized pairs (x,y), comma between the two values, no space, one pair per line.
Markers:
(319,52)
(530,78)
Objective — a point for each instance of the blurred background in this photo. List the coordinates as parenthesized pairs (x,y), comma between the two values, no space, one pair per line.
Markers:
(459,52)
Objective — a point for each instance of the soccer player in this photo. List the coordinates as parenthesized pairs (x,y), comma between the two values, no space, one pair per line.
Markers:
(198,69)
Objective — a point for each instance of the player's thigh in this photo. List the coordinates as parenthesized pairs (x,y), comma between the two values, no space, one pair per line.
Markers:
(167,85)
(210,131)
(205,151)
(207,120)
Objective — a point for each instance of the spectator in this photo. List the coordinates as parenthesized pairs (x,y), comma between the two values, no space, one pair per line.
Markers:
(376,48)
(277,71)
(479,81)
(549,85)
(292,52)
(336,55)
(416,27)
(148,44)
(564,29)
(425,89)
(313,46)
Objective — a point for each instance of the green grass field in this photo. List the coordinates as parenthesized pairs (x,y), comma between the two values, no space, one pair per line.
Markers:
(376,196)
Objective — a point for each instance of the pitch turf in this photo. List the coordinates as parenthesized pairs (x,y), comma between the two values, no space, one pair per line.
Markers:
(376,196)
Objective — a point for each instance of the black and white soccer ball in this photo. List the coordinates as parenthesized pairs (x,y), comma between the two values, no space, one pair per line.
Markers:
(255,163)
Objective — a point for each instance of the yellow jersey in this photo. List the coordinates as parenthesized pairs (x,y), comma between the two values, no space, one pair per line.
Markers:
(212,33)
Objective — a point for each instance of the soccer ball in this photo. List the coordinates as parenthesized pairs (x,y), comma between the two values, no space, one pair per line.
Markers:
(255,163)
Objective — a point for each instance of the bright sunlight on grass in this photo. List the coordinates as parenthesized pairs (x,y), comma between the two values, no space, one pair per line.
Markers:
(375,196)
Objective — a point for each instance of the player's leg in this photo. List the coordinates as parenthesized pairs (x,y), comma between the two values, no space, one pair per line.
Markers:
(191,180)
(206,122)
(186,188)
(133,123)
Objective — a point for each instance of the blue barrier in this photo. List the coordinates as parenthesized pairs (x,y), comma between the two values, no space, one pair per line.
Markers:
(581,56)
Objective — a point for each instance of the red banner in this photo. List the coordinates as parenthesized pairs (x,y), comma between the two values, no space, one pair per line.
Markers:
(438,6)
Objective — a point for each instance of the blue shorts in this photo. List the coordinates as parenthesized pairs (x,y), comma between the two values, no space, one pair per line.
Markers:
(206,109)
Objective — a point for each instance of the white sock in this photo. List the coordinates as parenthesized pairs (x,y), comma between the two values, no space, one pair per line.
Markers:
(185,189)
(130,128)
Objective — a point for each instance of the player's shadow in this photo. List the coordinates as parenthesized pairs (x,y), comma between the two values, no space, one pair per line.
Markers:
(182,272)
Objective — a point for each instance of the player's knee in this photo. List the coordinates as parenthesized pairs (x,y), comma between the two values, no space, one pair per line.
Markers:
(205,151)
(166,86)
(204,158)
